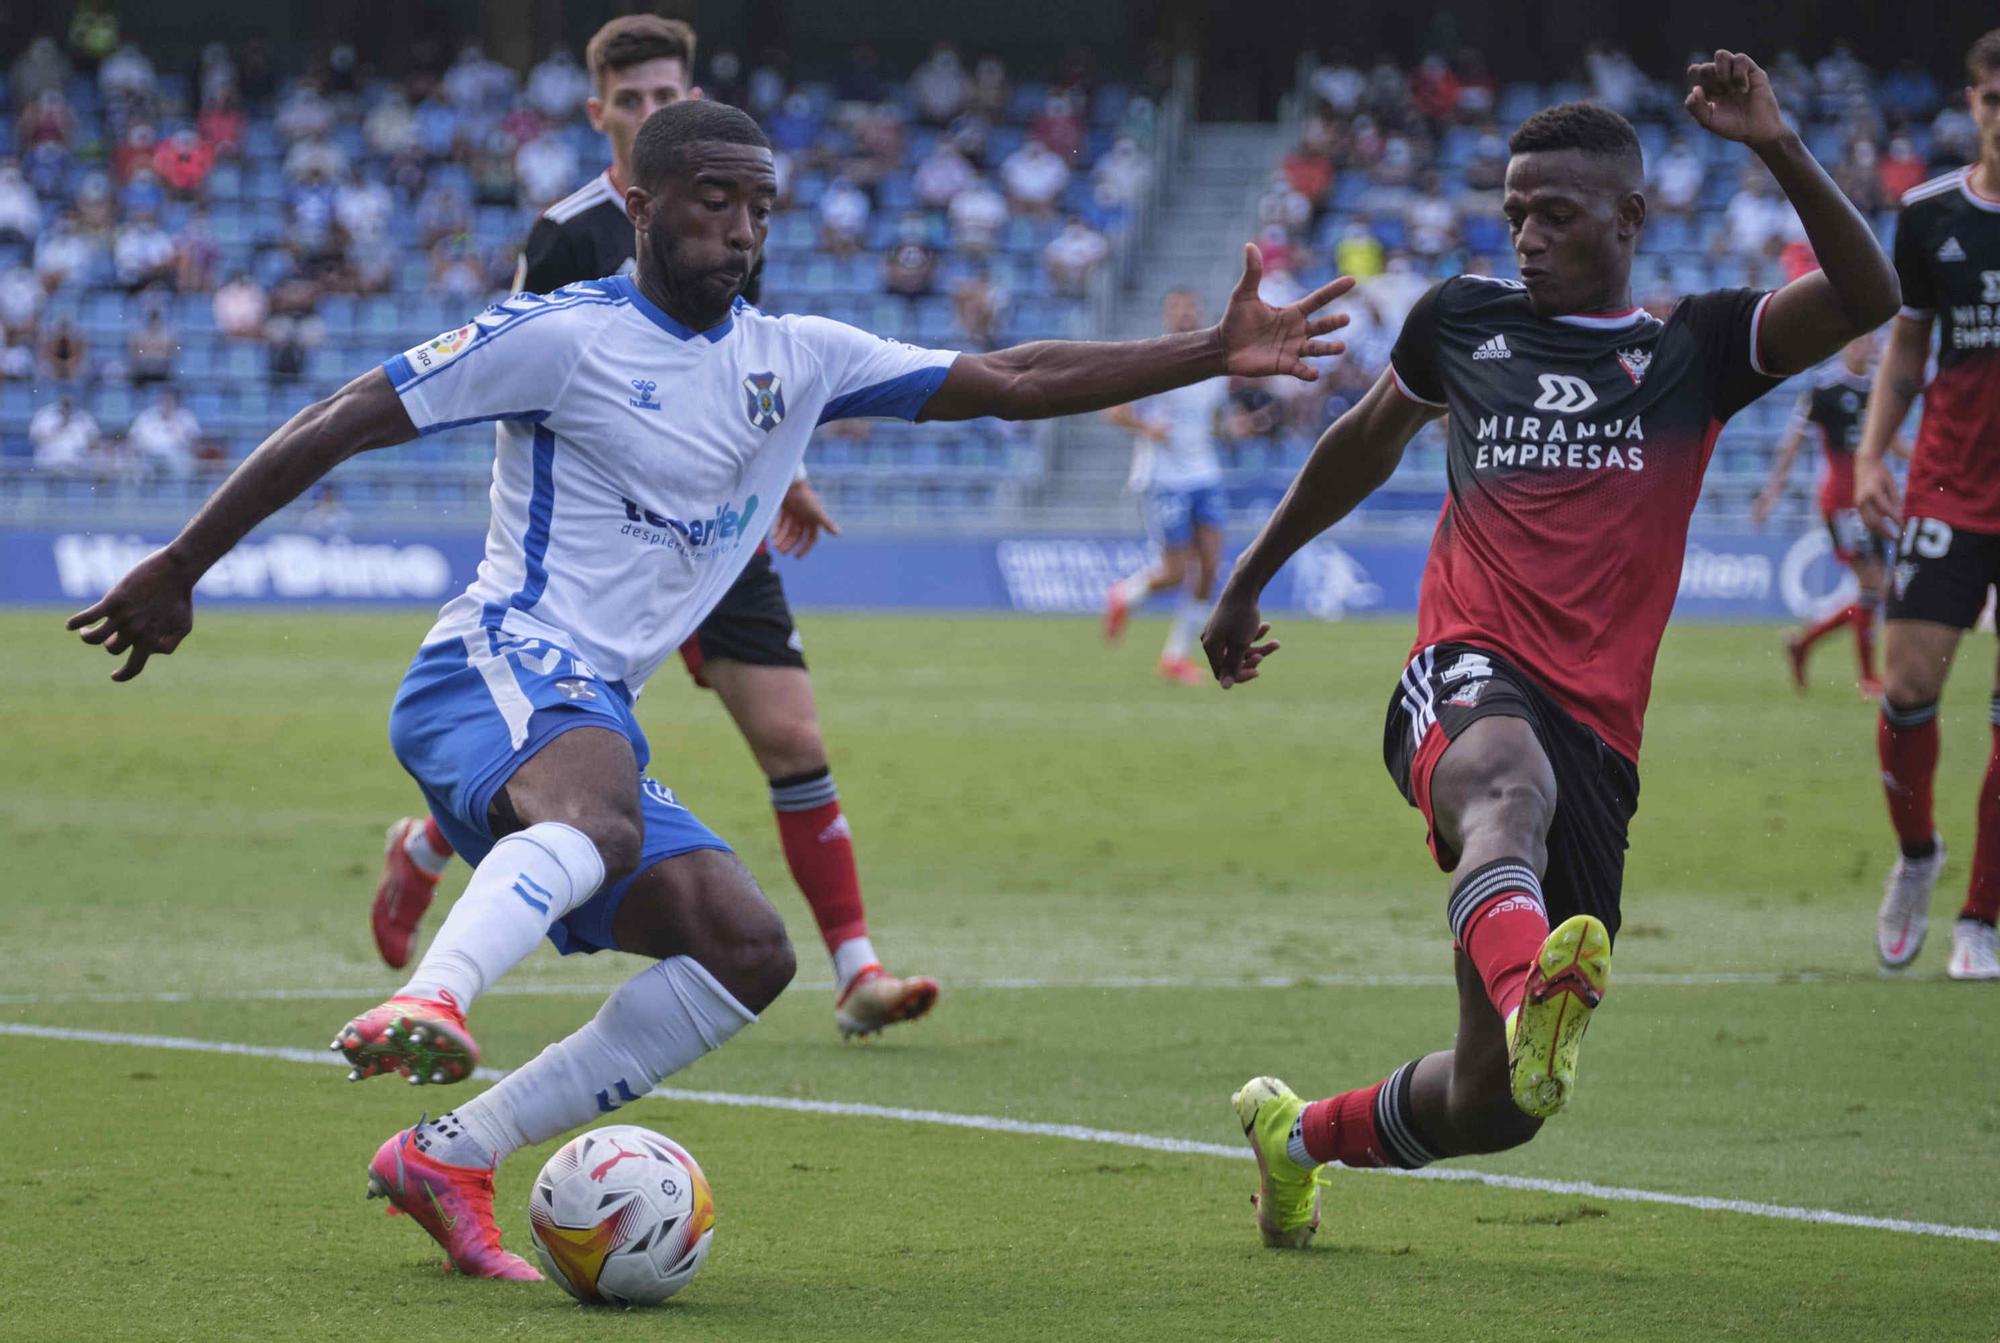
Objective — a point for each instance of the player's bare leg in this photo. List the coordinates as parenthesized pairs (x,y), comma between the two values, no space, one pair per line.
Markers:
(1917,656)
(774,709)
(1192,610)
(722,958)
(1165,574)
(569,821)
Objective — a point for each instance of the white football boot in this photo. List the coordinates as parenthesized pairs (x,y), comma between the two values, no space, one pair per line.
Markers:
(1905,915)
(1972,951)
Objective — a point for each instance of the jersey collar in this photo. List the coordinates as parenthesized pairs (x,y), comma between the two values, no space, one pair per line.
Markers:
(1604,321)
(1965,186)
(659,317)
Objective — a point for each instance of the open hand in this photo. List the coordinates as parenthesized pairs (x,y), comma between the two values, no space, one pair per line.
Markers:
(1260,340)
(801,518)
(1231,640)
(1731,96)
(150,610)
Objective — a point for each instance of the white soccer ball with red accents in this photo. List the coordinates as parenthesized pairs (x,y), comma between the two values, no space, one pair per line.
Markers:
(621,1216)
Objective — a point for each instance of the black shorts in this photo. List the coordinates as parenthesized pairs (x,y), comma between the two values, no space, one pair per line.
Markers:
(752,624)
(1942,573)
(1447,688)
(1851,538)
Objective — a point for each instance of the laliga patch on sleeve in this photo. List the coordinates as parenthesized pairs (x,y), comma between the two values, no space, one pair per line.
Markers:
(434,353)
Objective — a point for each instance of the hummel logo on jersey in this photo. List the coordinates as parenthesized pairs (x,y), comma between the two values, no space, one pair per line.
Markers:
(1635,363)
(1951,251)
(1564,393)
(645,387)
(1493,349)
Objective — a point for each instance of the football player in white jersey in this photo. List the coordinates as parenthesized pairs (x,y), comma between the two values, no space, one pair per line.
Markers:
(1175,469)
(647,425)
(748,650)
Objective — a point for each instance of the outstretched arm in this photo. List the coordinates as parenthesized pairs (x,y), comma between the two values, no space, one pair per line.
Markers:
(1352,458)
(1899,380)
(1855,289)
(151,609)
(1068,377)
(1788,448)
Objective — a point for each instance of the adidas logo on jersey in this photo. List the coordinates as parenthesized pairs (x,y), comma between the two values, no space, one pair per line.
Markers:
(1951,251)
(1495,348)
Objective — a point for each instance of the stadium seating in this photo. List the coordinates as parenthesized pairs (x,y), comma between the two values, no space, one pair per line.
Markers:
(247,200)
(250,205)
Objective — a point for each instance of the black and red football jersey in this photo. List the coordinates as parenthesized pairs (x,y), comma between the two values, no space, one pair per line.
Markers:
(1835,408)
(1948,259)
(1576,447)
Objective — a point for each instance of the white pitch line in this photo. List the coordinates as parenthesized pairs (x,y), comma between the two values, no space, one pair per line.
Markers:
(1003,983)
(1146,1142)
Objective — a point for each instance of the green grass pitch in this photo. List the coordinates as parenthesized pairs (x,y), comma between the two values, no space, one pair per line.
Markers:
(1098,866)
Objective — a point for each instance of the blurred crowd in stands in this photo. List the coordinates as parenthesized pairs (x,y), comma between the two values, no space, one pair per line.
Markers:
(1396,180)
(186,255)
(248,236)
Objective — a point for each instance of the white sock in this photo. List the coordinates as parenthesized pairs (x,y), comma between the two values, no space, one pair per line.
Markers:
(417,844)
(530,879)
(654,1024)
(850,958)
(1134,589)
(1189,614)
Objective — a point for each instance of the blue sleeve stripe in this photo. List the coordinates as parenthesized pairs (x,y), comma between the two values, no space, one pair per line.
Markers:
(399,371)
(898,398)
(531,416)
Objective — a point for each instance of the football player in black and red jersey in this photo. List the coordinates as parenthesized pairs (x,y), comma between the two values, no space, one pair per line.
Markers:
(1948,528)
(1580,427)
(1833,409)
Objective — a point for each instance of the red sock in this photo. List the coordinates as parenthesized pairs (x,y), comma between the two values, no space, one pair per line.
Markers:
(1826,625)
(1907,742)
(1864,639)
(1369,1127)
(1342,1128)
(1497,916)
(1982,899)
(435,837)
(820,853)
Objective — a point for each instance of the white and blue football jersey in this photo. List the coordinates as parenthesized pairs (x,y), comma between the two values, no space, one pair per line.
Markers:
(1186,460)
(638,464)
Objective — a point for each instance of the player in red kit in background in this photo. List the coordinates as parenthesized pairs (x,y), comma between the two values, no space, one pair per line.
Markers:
(1948,530)
(1580,428)
(1834,407)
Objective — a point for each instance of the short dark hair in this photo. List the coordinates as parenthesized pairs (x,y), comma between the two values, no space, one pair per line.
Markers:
(665,136)
(1984,57)
(635,39)
(1585,127)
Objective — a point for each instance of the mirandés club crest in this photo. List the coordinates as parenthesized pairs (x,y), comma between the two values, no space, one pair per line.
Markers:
(766,406)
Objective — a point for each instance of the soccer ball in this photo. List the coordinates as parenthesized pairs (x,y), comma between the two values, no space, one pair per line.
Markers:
(621,1216)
